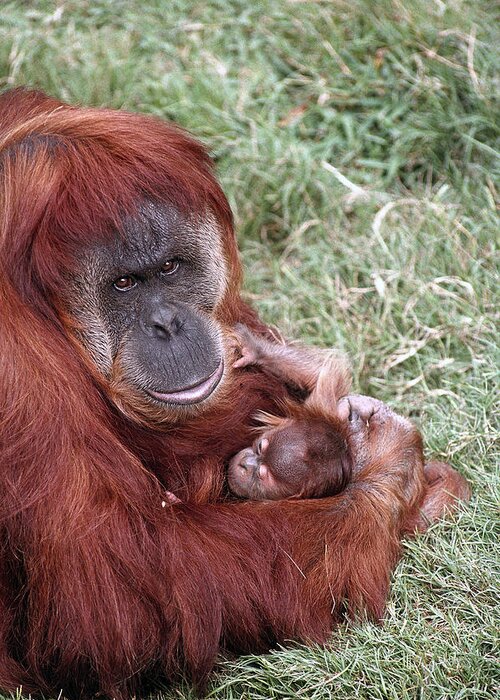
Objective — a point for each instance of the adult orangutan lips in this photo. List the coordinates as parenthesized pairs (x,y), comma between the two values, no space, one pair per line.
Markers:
(193,394)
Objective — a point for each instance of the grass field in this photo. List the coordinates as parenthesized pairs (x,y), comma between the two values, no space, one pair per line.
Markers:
(389,254)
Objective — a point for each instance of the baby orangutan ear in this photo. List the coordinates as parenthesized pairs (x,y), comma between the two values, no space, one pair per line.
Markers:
(334,381)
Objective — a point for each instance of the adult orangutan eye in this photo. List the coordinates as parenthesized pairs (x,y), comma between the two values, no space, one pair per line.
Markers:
(124,283)
(169,267)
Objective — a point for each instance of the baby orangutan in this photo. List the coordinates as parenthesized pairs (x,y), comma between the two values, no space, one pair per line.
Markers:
(331,439)
(306,454)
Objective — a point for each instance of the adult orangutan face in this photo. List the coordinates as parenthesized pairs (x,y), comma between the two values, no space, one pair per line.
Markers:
(145,304)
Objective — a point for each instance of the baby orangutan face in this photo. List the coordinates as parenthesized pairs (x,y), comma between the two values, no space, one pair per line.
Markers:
(296,459)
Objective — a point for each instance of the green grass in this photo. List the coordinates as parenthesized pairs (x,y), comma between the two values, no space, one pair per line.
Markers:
(400,97)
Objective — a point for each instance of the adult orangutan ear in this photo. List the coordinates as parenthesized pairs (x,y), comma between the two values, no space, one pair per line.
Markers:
(334,381)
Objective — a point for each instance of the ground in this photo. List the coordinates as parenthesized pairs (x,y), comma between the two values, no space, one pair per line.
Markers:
(355,140)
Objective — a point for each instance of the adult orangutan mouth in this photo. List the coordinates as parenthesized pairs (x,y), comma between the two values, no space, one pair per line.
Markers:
(193,394)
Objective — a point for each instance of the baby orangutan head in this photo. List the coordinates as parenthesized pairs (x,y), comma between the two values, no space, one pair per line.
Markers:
(303,457)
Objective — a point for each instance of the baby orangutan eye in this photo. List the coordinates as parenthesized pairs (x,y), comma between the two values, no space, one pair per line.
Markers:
(261,446)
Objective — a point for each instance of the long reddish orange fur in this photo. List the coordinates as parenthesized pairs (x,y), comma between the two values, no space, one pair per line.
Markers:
(103,588)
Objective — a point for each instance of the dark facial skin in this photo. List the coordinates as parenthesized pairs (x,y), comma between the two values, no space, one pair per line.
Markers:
(303,459)
(145,303)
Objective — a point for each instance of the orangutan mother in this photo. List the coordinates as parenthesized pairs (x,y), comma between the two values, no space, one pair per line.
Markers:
(119,282)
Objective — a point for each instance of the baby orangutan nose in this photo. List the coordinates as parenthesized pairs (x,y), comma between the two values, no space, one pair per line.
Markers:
(247,460)
(248,477)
